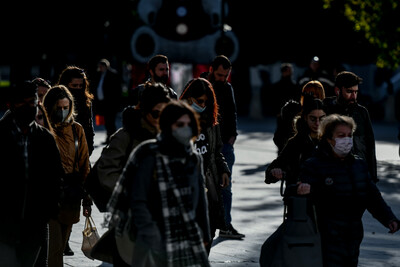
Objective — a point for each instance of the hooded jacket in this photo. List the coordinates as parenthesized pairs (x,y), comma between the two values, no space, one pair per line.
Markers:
(114,156)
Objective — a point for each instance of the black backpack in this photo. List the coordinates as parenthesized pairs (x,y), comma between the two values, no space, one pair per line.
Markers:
(97,192)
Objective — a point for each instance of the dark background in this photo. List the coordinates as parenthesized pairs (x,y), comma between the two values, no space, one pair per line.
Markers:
(55,34)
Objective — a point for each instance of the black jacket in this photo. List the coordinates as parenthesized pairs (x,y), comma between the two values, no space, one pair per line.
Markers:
(30,190)
(341,191)
(226,109)
(298,149)
(112,92)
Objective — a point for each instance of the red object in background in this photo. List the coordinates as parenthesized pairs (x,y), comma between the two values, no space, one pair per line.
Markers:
(99,120)
(138,75)
(199,69)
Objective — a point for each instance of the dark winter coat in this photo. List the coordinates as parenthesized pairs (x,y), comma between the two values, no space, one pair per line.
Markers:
(227,111)
(145,199)
(341,191)
(299,148)
(363,137)
(284,124)
(226,108)
(209,145)
(112,92)
(30,190)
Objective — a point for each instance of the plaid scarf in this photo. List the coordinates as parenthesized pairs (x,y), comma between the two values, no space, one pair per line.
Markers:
(184,244)
(118,205)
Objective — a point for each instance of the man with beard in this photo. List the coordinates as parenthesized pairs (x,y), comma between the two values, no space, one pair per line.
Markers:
(158,68)
(218,75)
(345,103)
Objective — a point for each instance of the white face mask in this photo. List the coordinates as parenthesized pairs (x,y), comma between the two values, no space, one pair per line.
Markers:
(343,146)
(183,135)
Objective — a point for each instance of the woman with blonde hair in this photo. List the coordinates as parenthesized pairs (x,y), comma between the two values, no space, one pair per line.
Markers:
(341,188)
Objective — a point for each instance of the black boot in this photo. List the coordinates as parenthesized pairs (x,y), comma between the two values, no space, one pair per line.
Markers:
(68,251)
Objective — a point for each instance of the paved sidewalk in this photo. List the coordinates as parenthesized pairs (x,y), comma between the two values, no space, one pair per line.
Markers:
(257,208)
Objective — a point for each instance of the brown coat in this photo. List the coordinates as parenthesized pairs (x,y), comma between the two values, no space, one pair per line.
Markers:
(66,145)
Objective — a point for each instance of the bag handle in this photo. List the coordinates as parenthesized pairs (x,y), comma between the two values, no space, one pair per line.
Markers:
(89,224)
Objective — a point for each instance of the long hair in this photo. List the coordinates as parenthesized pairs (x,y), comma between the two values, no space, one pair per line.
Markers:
(198,87)
(56,93)
(46,120)
(71,72)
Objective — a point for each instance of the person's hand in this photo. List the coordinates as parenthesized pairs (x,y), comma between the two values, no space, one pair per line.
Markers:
(87,211)
(277,173)
(225,180)
(303,189)
(393,226)
(232,140)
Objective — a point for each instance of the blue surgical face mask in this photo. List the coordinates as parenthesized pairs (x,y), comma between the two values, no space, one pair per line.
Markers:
(197,108)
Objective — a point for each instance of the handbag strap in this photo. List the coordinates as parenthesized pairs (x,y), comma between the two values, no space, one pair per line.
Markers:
(76,141)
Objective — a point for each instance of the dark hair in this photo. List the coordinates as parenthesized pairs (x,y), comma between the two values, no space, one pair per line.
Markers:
(153,94)
(46,120)
(50,101)
(22,90)
(347,79)
(311,104)
(71,72)
(157,59)
(173,111)
(198,87)
(221,60)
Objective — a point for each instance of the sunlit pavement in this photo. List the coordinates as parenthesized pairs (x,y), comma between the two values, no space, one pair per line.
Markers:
(257,208)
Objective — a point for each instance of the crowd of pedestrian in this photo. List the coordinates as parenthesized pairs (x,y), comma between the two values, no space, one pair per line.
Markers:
(167,172)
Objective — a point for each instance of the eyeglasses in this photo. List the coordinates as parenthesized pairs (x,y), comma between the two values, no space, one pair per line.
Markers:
(155,114)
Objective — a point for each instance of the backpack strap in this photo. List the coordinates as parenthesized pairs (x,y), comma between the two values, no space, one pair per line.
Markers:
(76,143)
